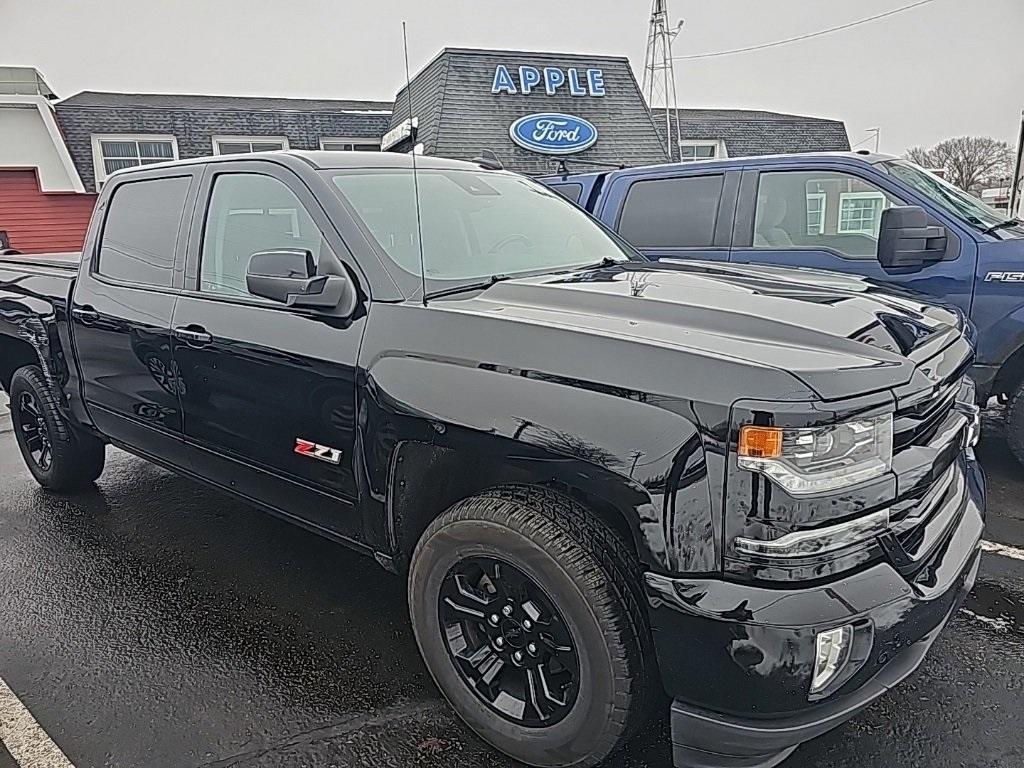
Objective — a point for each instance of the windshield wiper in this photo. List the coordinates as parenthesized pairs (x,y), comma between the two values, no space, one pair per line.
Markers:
(482,285)
(1001,225)
(477,286)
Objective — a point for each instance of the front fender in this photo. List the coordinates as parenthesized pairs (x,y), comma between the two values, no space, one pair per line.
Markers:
(640,453)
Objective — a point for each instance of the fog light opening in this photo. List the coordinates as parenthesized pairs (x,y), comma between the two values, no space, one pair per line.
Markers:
(832,651)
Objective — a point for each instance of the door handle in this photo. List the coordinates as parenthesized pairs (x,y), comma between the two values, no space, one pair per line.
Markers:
(85,315)
(193,335)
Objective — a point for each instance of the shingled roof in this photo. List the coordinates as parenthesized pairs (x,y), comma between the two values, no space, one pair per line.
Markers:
(104,99)
(753,132)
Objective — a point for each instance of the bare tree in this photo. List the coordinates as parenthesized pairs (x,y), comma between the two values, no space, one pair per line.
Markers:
(970,161)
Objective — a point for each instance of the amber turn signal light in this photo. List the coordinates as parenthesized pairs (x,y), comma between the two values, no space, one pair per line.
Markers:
(760,442)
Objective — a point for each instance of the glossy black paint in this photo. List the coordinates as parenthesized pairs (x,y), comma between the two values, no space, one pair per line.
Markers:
(746,690)
(624,386)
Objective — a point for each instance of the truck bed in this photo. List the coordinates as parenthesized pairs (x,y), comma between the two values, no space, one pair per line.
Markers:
(63,261)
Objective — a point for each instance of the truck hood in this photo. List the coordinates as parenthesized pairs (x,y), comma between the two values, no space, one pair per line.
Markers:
(840,336)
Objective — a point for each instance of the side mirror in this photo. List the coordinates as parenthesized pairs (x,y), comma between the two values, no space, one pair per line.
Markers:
(289,277)
(906,239)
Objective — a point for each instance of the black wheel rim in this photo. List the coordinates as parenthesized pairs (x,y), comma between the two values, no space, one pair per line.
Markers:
(508,641)
(34,432)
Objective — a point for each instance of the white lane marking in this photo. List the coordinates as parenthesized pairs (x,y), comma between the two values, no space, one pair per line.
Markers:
(1002,549)
(24,738)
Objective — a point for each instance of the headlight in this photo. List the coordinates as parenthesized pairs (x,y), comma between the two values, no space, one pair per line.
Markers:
(818,459)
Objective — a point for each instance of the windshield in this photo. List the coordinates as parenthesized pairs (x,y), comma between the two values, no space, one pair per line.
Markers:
(475,224)
(953,199)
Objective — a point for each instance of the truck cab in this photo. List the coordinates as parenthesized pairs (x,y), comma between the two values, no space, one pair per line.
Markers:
(836,211)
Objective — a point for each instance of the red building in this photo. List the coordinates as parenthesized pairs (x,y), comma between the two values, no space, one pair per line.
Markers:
(38,221)
(43,204)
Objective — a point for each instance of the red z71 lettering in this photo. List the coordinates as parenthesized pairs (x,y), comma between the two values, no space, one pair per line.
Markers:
(317,451)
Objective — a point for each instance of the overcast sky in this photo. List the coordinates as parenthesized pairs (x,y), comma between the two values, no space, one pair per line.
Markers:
(950,67)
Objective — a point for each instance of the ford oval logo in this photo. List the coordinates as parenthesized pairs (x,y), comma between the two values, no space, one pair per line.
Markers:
(553,133)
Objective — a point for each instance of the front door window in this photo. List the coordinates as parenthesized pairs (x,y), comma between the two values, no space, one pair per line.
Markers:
(823,210)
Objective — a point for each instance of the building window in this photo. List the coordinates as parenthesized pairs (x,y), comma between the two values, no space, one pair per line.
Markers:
(350,145)
(860,213)
(697,150)
(816,213)
(237,145)
(113,152)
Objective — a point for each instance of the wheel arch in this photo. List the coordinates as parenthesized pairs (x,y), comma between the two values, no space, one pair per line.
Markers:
(15,353)
(1010,373)
(427,479)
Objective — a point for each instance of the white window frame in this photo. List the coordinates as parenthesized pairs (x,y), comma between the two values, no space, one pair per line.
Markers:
(98,166)
(344,140)
(843,196)
(218,140)
(822,198)
(715,143)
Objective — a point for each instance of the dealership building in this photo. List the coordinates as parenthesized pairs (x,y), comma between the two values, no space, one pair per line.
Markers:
(535,111)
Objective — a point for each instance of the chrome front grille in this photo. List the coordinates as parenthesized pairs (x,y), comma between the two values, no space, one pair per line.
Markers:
(930,432)
(920,416)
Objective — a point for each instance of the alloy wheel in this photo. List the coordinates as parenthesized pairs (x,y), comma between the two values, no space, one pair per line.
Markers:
(34,431)
(508,642)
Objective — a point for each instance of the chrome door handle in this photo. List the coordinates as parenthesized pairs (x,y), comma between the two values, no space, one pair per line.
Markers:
(194,336)
(85,314)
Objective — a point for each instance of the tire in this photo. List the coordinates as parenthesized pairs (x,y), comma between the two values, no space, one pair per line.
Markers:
(73,459)
(593,584)
(1015,422)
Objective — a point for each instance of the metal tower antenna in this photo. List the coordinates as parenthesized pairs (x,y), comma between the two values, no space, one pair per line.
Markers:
(659,83)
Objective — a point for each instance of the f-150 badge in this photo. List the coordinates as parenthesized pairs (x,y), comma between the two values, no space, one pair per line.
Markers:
(1005,277)
(317,451)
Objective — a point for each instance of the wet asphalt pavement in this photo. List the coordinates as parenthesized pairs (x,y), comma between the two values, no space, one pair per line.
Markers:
(154,622)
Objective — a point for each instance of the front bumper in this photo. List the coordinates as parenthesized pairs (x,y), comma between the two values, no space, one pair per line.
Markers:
(737,658)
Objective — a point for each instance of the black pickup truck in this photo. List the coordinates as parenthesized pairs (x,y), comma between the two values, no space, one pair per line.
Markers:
(750,487)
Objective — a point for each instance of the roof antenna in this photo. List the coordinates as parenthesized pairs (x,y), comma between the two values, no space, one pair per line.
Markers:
(415,175)
(488,160)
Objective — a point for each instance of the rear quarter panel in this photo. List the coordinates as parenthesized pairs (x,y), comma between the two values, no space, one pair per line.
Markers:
(34,310)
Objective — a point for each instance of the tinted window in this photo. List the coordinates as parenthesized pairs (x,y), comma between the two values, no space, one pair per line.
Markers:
(570,191)
(249,213)
(819,209)
(141,230)
(672,213)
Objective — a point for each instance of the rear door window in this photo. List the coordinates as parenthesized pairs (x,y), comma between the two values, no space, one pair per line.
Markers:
(570,191)
(140,233)
(672,213)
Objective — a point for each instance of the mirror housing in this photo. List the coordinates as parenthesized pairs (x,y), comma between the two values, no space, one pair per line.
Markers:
(289,277)
(906,239)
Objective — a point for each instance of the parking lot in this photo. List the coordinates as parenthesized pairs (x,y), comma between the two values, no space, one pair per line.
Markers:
(153,622)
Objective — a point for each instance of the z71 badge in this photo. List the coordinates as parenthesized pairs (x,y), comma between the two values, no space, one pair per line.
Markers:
(317,451)
(1005,277)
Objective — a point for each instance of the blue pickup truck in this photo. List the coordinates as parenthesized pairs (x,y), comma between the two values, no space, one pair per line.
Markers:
(874,216)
